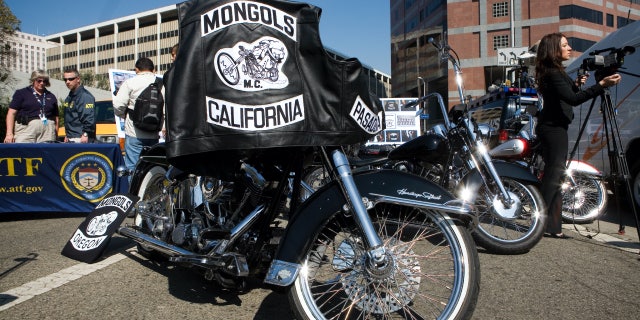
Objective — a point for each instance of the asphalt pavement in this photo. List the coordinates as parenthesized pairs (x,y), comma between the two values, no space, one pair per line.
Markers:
(593,275)
(615,227)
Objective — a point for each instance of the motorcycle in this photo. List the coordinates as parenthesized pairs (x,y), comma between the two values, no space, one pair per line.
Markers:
(509,207)
(376,244)
(508,204)
(584,195)
(221,196)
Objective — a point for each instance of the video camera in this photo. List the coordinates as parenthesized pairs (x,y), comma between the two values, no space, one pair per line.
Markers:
(605,65)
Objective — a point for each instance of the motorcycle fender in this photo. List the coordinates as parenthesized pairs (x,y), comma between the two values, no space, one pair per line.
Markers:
(382,186)
(583,167)
(468,187)
(149,157)
(504,169)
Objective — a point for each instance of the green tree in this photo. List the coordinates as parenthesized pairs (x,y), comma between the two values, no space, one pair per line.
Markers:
(102,82)
(8,26)
(88,78)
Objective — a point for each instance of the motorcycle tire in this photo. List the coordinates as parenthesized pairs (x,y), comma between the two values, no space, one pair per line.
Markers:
(433,269)
(514,235)
(151,187)
(314,177)
(585,201)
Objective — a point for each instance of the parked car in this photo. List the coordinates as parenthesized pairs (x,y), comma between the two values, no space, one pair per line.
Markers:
(106,130)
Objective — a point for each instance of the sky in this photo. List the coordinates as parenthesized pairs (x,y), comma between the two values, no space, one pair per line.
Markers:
(354,28)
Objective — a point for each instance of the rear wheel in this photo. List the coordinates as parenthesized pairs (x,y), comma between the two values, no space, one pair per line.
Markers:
(151,192)
(431,269)
(313,179)
(584,201)
(512,230)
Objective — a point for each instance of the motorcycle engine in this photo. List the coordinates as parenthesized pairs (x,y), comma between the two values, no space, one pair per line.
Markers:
(200,203)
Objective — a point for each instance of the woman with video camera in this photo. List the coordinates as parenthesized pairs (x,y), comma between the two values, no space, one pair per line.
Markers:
(560,94)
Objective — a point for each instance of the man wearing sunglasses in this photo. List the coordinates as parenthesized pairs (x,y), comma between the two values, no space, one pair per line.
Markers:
(79,112)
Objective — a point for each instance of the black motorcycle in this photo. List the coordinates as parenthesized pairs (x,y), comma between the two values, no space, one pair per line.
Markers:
(375,244)
(509,206)
(221,195)
(510,209)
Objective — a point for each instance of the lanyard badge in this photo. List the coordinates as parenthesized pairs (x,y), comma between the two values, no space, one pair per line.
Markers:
(42,116)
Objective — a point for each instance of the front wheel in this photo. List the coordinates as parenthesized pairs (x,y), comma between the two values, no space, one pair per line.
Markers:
(584,201)
(431,269)
(510,230)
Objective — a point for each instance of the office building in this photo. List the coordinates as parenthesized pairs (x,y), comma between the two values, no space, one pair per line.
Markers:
(489,36)
(28,52)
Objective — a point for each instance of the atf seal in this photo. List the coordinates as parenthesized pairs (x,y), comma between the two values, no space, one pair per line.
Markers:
(87,176)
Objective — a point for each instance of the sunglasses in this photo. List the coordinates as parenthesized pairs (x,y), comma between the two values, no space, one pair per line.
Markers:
(40,80)
(69,79)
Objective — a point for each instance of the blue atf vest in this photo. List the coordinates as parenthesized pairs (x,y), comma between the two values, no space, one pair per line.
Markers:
(253,75)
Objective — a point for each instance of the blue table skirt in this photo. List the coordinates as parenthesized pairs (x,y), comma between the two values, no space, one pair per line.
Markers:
(58,177)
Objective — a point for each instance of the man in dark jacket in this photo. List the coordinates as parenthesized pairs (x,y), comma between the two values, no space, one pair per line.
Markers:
(79,112)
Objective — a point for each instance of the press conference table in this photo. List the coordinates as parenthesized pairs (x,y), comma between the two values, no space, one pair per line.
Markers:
(58,177)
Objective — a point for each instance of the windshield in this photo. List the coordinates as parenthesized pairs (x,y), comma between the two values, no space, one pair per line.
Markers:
(104,112)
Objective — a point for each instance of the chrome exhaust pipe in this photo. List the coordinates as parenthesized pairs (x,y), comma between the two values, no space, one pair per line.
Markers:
(153,243)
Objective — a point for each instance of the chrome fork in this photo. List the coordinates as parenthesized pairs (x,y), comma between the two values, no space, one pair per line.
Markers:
(376,251)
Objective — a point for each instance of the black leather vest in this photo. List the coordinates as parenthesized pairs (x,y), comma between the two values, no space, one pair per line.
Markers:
(254,74)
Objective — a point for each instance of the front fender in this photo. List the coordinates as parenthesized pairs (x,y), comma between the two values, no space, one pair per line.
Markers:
(504,169)
(470,184)
(383,186)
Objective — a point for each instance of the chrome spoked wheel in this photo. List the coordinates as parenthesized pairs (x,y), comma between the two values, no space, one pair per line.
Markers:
(431,270)
(514,230)
(583,201)
(313,179)
(152,195)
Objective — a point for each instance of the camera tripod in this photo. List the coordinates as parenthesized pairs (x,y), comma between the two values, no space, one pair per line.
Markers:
(620,174)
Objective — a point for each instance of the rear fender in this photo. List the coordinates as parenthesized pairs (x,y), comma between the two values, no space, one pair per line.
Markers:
(383,186)
(155,155)
(583,168)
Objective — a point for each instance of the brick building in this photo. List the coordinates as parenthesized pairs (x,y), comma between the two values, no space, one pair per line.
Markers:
(479,30)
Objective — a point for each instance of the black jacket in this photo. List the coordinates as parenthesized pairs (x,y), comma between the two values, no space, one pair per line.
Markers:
(79,113)
(560,95)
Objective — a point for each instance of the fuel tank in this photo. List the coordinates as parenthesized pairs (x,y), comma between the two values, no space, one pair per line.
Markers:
(429,147)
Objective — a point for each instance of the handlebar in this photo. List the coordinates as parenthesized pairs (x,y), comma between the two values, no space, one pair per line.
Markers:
(444,51)
(443,108)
